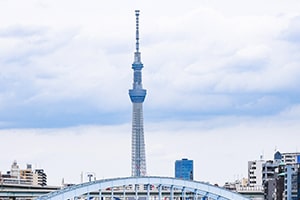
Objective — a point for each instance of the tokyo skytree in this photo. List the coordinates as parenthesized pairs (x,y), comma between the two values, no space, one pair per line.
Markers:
(137,95)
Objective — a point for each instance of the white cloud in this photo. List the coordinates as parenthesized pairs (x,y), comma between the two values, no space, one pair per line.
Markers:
(216,72)
(105,150)
(197,56)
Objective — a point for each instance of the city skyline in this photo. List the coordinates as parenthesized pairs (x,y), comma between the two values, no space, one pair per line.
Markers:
(223,78)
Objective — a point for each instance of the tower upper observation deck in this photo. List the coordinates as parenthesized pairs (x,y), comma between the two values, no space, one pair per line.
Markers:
(137,93)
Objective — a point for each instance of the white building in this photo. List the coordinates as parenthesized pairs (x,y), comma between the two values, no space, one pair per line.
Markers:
(26,176)
(290,158)
(39,177)
(15,170)
(255,169)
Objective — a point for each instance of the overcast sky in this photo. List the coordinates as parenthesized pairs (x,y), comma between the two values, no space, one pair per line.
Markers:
(222,80)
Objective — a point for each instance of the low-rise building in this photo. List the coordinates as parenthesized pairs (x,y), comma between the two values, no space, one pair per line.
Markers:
(26,176)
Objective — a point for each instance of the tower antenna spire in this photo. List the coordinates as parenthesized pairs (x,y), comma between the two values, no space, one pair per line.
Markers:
(137,14)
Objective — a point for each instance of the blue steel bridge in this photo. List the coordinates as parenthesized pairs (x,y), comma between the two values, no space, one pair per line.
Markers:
(146,188)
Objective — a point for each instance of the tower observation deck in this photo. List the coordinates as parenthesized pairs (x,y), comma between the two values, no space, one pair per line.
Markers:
(137,95)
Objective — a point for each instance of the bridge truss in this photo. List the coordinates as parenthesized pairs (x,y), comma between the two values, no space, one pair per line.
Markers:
(146,188)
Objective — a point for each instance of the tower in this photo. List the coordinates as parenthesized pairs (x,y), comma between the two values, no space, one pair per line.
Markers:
(137,95)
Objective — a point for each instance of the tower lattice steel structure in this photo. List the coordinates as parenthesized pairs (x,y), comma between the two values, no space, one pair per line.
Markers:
(137,95)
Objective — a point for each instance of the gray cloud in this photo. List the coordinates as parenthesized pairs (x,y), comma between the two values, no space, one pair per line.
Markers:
(199,62)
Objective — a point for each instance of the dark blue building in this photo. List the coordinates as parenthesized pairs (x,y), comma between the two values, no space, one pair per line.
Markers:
(184,169)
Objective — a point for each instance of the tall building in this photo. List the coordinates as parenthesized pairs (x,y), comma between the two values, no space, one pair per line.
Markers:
(255,173)
(39,177)
(137,95)
(291,185)
(184,169)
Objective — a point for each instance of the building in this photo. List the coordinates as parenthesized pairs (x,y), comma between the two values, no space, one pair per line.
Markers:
(280,176)
(184,169)
(255,173)
(290,158)
(277,179)
(15,170)
(291,161)
(236,185)
(137,95)
(298,181)
(26,176)
(39,177)
(274,185)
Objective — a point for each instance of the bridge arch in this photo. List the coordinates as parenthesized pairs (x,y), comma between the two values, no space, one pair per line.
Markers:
(146,187)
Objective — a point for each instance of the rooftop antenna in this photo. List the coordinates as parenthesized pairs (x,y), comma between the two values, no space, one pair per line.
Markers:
(261,156)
